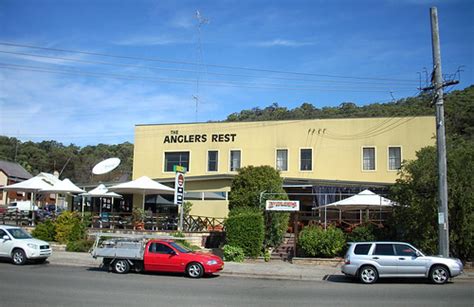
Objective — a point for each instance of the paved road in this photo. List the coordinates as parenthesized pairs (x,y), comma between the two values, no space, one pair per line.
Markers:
(51,285)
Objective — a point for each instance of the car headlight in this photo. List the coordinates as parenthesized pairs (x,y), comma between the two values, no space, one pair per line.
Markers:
(212,262)
(33,246)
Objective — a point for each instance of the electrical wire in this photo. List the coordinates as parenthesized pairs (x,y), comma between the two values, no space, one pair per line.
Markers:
(190,70)
(206,65)
(180,80)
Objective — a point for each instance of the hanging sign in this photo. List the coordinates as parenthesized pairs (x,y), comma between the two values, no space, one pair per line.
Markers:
(282,205)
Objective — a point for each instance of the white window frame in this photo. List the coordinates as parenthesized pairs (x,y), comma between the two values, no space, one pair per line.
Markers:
(171,151)
(230,159)
(362,158)
(388,157)
(299,159)
(207,161)
(287,159)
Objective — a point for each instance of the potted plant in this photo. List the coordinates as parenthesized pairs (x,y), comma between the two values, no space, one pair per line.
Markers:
(138,218)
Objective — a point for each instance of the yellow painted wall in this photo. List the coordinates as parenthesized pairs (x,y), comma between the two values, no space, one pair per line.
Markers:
(336,144)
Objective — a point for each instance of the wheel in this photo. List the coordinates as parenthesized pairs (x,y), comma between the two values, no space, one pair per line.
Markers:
(439,274)
(18,257)
(194,270)
(368,274)
(121,266)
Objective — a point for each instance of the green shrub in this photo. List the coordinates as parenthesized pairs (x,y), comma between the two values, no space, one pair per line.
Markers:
(69,227)
(317,242)
(79,246)
(267,255)
(276,226)
(45,231)
(245,229)
(233,253)
(363,232)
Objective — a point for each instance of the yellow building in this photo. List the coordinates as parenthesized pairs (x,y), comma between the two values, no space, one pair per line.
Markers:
(323,154)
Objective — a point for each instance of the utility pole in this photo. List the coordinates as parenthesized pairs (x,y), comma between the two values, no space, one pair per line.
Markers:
(443,225)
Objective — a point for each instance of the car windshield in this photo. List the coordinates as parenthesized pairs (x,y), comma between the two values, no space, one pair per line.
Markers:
(180,248)
(19,233)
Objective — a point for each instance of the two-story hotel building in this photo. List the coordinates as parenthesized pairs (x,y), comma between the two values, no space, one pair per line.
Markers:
(326,156)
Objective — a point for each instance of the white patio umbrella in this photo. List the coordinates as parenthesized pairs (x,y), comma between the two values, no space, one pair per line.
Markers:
(33,186)
(99,191)
(144,186)
(62,187)
(364,200)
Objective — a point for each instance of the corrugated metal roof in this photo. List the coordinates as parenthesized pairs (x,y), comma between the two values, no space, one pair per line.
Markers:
(14,170)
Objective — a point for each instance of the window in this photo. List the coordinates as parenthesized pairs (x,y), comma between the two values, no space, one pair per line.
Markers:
(234,160)
(160,248)
(384,250)
(394,158)
(362,249)
(306,159)
(176,158)
(212,160)
(368,159)
(405,250)
(282,159)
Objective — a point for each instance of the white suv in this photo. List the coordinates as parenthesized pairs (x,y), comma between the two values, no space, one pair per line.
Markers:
(20,246)
(370,260)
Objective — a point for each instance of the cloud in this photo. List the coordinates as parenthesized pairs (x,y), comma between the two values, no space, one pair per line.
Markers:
(39,106)
(150,41)
(282,43)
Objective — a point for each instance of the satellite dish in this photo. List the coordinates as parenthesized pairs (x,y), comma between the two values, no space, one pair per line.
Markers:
(105,166)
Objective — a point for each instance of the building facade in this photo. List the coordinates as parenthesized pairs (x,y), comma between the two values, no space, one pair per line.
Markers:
(321,154)
(10,173)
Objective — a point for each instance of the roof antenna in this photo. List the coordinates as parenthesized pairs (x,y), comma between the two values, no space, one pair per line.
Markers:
(201,21)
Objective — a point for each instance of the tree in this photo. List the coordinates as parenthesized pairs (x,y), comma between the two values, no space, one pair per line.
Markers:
(251,188)
(415,219)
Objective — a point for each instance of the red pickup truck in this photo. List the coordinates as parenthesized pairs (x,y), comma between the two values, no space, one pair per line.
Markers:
(154,255)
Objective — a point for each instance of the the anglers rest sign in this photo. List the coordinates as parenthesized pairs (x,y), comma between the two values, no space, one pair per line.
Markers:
(282,205)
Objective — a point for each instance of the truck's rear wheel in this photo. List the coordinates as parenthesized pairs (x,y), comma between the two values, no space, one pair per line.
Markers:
(121,266)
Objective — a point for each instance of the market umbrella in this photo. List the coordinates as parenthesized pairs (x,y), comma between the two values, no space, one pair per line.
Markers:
(34,185)
(62,187)
(144,186)
(99,191)
(364,200)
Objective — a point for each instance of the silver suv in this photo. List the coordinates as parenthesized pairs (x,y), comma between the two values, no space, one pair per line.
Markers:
(372,260)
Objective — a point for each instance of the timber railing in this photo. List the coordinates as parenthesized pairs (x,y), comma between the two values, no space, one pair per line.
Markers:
(195,223)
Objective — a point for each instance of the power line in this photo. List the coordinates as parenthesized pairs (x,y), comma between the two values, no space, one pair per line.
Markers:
(206,65)
(181,81)
(186,70)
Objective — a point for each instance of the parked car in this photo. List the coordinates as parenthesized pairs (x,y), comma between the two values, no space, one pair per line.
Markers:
(18,245)
(370,261)
(3,209)
(21,205)
(123,253)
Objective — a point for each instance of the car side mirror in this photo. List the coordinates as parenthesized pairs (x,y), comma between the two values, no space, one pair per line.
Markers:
(418,254)
(172,253)
(5,238)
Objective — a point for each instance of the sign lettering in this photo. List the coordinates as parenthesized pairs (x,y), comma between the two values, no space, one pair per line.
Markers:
(175,138)
(282,205)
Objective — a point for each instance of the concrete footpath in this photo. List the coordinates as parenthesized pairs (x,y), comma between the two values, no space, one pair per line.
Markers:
(275,269)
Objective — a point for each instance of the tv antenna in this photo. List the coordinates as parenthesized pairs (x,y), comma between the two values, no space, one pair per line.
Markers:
(200,21)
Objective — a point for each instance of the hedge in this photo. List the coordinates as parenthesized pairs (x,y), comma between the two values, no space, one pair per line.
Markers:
(245,229)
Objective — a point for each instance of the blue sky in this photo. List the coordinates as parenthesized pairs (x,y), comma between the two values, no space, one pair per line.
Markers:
(141,62)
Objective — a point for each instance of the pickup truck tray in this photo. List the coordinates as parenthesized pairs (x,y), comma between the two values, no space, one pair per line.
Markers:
(110,245)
